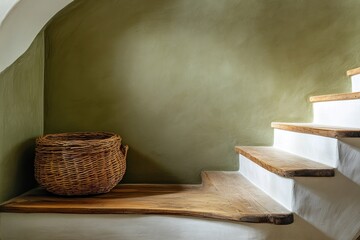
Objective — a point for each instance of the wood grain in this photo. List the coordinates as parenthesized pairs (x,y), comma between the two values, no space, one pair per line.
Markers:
(223,195)
(283,163)
(353,72)
(335,97)
(315,129)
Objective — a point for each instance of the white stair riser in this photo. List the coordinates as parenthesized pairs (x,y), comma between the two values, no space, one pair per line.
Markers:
(355,81)
(317,148)
(279,188)
(338,113)
(349,158)
(331,204)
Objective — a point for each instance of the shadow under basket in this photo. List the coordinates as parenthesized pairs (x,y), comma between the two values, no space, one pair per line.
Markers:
(74,164)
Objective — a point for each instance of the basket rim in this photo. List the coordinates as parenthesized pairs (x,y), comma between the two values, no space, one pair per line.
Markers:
(52,137)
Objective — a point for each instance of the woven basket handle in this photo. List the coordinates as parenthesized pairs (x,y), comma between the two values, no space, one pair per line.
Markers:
(124,149)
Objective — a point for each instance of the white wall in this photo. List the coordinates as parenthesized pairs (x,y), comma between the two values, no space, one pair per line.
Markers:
(5,6)
(20,22)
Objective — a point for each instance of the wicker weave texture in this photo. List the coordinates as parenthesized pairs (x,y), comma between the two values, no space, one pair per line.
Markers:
(80,163)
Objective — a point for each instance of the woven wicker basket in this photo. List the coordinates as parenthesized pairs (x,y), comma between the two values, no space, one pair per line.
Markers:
(80,163)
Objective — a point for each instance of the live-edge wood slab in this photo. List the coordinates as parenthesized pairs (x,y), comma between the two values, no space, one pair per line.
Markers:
(316,129)
(222,195)
(283,163)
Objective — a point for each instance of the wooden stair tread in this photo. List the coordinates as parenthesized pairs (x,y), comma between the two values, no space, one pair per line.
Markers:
(316,129)
(335,97)
(283,163)
(223,195)
(353,72)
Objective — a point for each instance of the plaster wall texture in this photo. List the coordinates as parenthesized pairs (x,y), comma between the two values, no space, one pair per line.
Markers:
(184,81)
(21,119)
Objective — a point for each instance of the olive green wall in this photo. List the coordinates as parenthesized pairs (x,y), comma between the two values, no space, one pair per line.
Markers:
(21,119)
(185,81)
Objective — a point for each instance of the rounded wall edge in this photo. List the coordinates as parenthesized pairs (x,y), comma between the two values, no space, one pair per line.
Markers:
(21,24)
(5,7)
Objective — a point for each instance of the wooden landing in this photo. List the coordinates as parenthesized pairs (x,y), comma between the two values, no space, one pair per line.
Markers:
(353,72)
(335,97)
(223,195)
(316,129)
(283,163)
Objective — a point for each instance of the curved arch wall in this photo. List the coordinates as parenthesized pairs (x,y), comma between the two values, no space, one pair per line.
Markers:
(5,7)
(20,22)
(185,81)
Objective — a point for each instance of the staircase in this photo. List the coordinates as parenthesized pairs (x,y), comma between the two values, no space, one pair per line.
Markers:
(313,169)
(309,180)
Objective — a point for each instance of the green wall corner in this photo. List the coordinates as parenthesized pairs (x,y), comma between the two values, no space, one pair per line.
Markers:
(21,119)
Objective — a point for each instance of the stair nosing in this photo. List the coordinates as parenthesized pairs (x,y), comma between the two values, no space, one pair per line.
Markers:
(352,72)
(327,171)
(316,129)
(335,97)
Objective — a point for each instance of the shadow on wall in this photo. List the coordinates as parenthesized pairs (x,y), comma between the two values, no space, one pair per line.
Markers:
(146,164)
(18,169)
(183,82)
